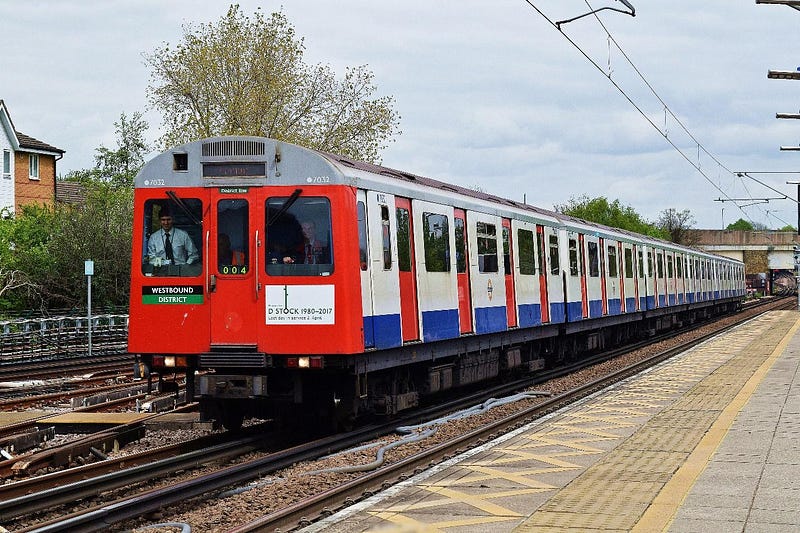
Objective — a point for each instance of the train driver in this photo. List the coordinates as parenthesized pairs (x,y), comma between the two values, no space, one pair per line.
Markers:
(315,251)
(227,255)
(171,245)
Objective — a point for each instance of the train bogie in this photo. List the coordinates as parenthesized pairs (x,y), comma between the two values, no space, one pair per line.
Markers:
(289,283)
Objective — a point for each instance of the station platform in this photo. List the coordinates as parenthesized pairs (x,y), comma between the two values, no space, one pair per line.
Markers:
(707,441)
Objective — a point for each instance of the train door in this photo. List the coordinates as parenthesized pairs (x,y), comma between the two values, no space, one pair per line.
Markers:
(508,270)
(364,261)
(462,272)
(582,261)
(572,281)
(680,287)
(672,286)
(603,273)
(555,284)
(661,284)
(594,282)
(542,268)
(526,283)
(641,285)
(381,228)
(652,288)
(487,277)
(437,284)
(623,276)
(406,264)
(232,252)
(613,289)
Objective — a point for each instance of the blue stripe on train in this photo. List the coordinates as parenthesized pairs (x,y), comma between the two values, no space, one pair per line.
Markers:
(614,306)
(651,302)
(530,315)
(630,305)
(490,319)
(439,325)
(382,331)
(595,308)
(557,313)
(574,311)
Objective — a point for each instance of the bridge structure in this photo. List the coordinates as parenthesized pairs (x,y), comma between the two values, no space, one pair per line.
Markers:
(768,256)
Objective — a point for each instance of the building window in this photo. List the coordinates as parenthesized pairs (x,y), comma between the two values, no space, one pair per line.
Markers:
(33,172)
(7,164)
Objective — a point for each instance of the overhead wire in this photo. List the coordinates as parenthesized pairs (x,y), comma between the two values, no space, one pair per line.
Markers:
(639,109)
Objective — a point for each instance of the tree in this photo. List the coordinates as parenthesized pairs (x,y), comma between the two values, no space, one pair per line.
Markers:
(789,228)
(246,76)
(678,225)
(612,214)
(740,224)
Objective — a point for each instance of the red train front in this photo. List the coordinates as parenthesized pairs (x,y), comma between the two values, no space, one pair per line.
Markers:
(238,265)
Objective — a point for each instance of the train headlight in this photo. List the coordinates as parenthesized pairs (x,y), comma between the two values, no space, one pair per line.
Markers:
(169,360)
(303,362)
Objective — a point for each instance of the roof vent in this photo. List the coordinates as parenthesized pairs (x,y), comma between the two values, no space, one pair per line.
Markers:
(229,148)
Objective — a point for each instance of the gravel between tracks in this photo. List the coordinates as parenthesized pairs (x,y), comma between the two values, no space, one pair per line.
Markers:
(219,514)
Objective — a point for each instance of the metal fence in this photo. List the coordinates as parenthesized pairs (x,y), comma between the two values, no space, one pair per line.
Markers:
(61,337)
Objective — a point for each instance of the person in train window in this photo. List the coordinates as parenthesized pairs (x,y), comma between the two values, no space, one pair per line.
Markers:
(171,245)
(315,251)
(225,254)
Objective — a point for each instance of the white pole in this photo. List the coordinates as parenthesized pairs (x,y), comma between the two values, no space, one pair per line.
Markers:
(89,271)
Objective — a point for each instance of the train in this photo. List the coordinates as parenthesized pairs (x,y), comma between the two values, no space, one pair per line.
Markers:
(288,283)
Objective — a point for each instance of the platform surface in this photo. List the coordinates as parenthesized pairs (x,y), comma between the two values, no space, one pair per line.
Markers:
(707,441)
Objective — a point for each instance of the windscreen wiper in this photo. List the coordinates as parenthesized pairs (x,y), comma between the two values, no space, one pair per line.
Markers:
(285,207)
(185,208)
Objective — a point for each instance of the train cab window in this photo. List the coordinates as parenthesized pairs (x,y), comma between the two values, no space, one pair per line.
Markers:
(628,263)
(574,266)
(555,267)
(172,237)
(527,255)
(487,247)
(613,272)
(232,237)
(436,234)
(594,259)
(461,246)
(403,240)
(298,236)
(387,238)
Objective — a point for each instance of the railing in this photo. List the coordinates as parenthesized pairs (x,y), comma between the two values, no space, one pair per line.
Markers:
(61,337)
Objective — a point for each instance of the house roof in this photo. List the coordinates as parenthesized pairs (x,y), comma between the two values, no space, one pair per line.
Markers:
(26,141)
(70,192)
(20,141)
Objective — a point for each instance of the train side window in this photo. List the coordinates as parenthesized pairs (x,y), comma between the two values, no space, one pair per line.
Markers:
(594,259)
(363,258)
(403,240)
(506,252)
(527,256)
(660,264)
(298,236)
(387,238)
(461,246)
(649,264)
(640,257)
(679,266)
(669,267)
(172,238)
(487,247)
(628,263)
(613,271)
(436,236)
(540,253)
(232,237)
(555,267)
(574,267)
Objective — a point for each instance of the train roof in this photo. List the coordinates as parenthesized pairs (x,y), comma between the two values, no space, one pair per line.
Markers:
(263,161)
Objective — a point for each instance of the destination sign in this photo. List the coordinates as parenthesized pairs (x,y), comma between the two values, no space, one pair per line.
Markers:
(172,294)
(234,170)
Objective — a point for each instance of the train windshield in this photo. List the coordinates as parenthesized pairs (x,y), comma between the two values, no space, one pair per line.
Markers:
(298,236)
(172,237)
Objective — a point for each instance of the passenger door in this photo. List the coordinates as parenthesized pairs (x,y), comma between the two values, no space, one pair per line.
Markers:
(409,309)
(381,224)
(231,258)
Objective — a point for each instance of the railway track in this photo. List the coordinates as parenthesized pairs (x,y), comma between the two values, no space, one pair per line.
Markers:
(352,487)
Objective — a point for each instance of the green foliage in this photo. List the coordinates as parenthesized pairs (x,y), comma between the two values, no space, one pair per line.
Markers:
(614,214)
(246,76)
(678,225)
(43,248)
(789,228)
(741,224)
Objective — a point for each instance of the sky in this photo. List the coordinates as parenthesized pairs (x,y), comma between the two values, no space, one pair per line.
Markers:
(490,93)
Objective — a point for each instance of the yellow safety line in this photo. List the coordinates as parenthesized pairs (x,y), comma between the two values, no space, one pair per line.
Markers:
(661,513)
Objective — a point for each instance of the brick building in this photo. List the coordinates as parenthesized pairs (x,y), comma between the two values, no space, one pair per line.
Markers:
(27,167)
